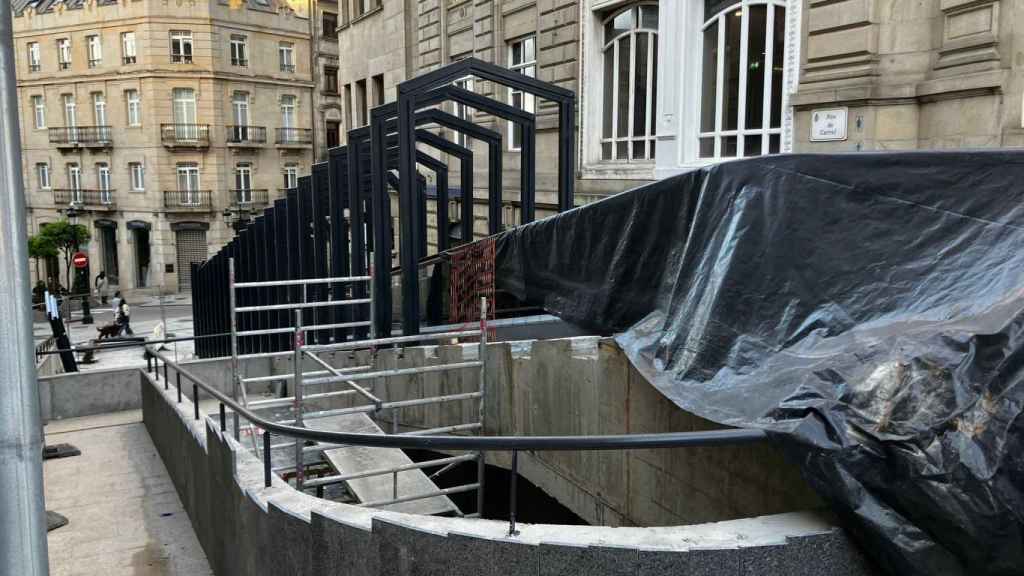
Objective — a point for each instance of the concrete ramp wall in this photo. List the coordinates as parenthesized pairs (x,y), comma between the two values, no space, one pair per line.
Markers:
(247,529)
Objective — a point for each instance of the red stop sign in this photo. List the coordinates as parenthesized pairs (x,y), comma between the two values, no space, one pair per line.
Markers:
(80,260)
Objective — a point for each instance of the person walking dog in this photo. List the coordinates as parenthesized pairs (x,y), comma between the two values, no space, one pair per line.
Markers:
(124,317)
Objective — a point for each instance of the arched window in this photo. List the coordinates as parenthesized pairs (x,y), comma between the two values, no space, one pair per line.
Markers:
(630,52)
(741,78)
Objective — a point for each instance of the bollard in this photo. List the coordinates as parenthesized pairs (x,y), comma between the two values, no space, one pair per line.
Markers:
(512,495)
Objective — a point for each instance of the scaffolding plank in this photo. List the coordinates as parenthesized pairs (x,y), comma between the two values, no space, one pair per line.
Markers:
(355,459)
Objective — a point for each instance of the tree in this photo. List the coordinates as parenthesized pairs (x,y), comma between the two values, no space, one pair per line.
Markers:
(66,238)
(40,248)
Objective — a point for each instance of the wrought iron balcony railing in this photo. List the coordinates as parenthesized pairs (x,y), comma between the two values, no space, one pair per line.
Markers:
(191,135)
(188,200)
(249,198)
(294,136)
(247,134)
(84,198)
(128,60)
(81,136)
(287,67)
(35,67)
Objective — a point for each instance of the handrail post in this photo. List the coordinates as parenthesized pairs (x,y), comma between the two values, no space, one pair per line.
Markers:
(266,458)
(165,373)
(195,399)
(149,364)
(298,342)
(235,382)
(481,461)
(178,379)
(512,495)
(223,418)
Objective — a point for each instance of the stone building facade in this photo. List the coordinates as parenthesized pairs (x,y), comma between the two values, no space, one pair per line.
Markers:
(159,123)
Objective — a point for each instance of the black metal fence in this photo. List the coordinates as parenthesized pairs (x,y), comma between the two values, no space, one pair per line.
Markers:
(339,217)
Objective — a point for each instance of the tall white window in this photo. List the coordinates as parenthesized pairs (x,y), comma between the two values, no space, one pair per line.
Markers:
(94,46)
(64,53)
(128,55)
(70,112)
(103,180)
(630,70)
(243,183)
(291,176)
(75,182)
(181,46)
(134,107)
(240,108)
(43,175)
(99,106)
(522,58)
(39,111)
(188,184)
(34,63)
(741,78)
(239,50)
(138,175)
(286,56)
(288,111)
(462,111)
(184,105)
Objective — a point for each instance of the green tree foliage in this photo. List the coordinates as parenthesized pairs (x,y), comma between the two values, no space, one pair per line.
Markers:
(66,238)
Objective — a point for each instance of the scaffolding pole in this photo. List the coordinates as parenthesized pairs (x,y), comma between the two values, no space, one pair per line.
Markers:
(23,536)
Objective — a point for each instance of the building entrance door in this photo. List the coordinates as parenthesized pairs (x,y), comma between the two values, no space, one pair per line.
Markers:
(141,237)
(108,244)
(191,248)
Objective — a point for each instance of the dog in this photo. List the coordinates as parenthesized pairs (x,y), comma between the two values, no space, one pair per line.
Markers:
(111,330)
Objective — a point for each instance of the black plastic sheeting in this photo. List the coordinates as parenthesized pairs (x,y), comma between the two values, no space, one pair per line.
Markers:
(866,309)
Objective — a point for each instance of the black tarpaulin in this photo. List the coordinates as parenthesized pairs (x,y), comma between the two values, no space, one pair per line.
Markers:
(866,309)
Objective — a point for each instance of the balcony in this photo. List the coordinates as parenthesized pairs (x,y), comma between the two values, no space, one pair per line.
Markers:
(64,65)
(188,200)
(82,137)
(126,60)
(185,135)
(288,68)
(35,67)
(249,198)
(294,137)
(246,136)
(85,199)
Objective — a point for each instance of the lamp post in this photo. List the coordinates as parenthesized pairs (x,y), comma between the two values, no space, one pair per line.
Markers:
(83,273)
(238,219)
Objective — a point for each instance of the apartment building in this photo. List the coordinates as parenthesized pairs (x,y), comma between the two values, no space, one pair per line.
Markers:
(327,96)
(161,124)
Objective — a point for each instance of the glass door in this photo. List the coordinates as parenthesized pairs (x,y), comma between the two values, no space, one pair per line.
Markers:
(185,114)
(188,185)
(243,184)
(103,177)
(240,110)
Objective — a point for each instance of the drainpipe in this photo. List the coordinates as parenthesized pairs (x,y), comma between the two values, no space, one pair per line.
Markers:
(23,536)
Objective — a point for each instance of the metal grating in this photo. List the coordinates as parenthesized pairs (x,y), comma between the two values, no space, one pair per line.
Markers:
(191,248)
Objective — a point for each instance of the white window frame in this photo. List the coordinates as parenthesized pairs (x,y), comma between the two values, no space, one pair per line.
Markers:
(184,39)
(34,57)
(63,53)
(291,176)
(70,110)
(39,111)
(99,108)
(649,138)
(289,107)
(134,107)
(463,112)
(43,175)
(188,195)
(94,50)
(529,68)
(240,108)
(239,50)
(286,56)
(128,49)
(103,183)
(75,182)
(243,183)
(137,172)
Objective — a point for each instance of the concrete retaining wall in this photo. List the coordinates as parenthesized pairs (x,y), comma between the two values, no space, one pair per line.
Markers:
(581,386)
(247,529)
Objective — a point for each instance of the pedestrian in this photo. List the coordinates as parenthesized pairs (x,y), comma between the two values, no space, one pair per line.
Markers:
(124,317)
(101,286)
(116,304)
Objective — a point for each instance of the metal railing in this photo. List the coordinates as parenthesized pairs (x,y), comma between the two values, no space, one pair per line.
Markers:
(181,58)
(324,439)
(128,60)
(83,197)
(247,134)
(81,135)
(287,67)
(188,200)
(294,136)
(185,134)
(249,197)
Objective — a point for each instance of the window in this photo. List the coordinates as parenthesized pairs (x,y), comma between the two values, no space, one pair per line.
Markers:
(70,112)
(43,175)
(332,129)
(240,108)
(378,90)
(134,107)
(360,104)
(741,79)
(184,109)
(188,183)
(348,106)
(128,55)
(103,182)
(330,25)
(181,46)
(287,111)
(39,111)
(462,111)
(361,7)
(291,176)
(243,183)
(34,64)
(522,58)
(99,107)
(75,181)
(64,54)
(138,175)
(330,80)
(95,50)
(286,56)
(630,54)
(239,50)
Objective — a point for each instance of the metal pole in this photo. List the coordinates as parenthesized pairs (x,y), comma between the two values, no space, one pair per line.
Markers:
(512,495)
(195,399)
(235,384)
(266,457)
(178,384)
(481,462)
(223,419)
(297,359)
(23,538)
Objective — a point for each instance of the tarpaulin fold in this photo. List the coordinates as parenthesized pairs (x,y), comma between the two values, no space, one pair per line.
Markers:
(865,309)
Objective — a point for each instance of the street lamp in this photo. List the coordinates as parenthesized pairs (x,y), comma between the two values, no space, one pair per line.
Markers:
(72,213)
(239,218)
